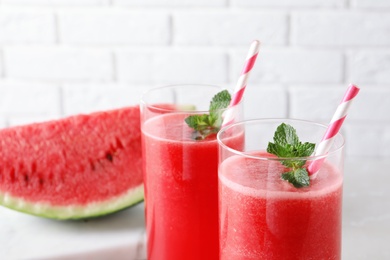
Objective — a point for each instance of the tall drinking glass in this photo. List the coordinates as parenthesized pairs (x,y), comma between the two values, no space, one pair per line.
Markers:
(265,217)
(181,173)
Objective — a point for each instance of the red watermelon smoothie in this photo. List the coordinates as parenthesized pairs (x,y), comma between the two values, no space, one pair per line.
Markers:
(265,217)
(181,188)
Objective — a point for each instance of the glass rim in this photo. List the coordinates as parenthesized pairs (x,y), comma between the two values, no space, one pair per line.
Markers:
(160,109)
(259,157)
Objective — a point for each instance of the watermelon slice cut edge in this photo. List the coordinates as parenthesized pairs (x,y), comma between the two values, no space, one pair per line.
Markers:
(77,167)
(94,209)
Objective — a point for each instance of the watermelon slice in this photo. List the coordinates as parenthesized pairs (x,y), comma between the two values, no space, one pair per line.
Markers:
(77,167)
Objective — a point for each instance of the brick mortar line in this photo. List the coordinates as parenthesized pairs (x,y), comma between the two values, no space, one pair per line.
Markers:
(57,33)
(345,68)
(171,27)
(228,8)
(2,64)
(97,9)
(231,76)
(61,97)
(193,48)
(289,29)
(288,101)
(115,72)
(228,4)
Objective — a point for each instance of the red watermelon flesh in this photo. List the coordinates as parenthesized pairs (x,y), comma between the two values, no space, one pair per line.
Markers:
(77,167)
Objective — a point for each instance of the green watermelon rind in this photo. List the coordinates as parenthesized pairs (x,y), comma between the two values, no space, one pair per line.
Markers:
(132,197)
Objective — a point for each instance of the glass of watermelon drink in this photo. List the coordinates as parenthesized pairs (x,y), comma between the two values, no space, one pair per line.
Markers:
(263,216)
(181,173)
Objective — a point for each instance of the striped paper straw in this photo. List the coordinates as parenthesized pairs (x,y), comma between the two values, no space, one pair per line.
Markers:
(242,81)
(333,128)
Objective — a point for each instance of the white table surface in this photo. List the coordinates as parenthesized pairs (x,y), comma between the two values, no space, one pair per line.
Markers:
(366,225)
(116,236)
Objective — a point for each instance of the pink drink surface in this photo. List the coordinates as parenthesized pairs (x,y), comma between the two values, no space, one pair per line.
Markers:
(181,190)
(264,217)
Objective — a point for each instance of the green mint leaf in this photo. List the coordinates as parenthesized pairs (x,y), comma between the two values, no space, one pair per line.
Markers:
(206,124)
(280,150)
(215,119)
(287,145)
(220,101)
(305,149)
(286,134)
(198,122)
(299,178)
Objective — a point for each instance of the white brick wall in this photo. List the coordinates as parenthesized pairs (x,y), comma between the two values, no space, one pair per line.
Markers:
(335,28)
(267,101)
(374,139)
(289,3)
(172,66)
(368,107)
(20,27)
(370,3)
(319,108)
(29,99)
(58,63)
(3,123)
(113,27)
(229,28)
(1,64)
(85,98)
(369,67)
(171,3)
(61,57)
(284,65)
(57,2)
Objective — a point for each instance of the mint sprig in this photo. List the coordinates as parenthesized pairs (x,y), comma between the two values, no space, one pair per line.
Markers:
(206,124)
(287,145)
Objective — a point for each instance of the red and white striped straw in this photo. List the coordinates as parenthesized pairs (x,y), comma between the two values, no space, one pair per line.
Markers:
(242,81)
(333,128)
